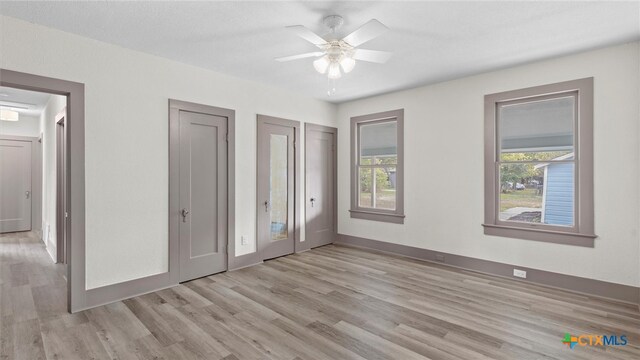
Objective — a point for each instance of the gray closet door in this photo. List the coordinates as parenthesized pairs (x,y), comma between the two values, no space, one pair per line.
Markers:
(276,195)
(15,185)
(203,195)
(321,185)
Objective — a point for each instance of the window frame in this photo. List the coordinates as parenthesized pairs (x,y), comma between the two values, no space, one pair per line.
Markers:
(385,215)
(582,231)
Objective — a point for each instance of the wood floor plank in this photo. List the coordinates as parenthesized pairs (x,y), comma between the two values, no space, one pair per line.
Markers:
(231,341)
(195,340)
(27,340)
(157,325)
(316,341)
(7,350)
(24,307)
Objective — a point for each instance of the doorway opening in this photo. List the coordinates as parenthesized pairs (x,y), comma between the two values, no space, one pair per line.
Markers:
(33,180)
(53,102)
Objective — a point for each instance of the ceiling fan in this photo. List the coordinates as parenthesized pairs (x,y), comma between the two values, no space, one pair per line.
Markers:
(340,53)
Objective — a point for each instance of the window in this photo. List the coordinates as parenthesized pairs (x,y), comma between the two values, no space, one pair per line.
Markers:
(377,167)
(539,163)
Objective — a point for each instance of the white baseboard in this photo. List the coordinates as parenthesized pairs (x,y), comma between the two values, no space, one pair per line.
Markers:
(52,251)
(48,244)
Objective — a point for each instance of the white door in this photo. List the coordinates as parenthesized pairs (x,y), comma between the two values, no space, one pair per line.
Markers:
(15,185)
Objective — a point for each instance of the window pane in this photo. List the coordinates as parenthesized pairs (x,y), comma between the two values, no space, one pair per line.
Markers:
(385,194)
(378,140)
(379,160)
(537,156)
(278,185)
(386,160)
(537,193)
(364,187)
(541,129)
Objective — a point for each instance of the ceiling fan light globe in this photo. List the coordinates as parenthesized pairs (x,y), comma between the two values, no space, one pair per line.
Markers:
(334,71)
(347,64)
(321,65)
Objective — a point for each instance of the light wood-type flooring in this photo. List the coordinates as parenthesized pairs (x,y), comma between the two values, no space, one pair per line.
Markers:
(329,303)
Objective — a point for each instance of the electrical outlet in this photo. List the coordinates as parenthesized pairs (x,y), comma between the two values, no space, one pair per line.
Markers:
(243,240)
(440,257)
(520,273)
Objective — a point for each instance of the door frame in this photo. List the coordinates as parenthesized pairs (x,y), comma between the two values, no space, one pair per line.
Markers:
(308,127)
(298,245)
(61,204)
(175,106)
(76,286)
(36,179)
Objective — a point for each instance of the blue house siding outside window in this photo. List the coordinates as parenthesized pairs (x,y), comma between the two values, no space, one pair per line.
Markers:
(558,198)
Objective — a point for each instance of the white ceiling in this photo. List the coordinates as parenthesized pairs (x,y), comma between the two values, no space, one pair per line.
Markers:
(431,41)
(29,103)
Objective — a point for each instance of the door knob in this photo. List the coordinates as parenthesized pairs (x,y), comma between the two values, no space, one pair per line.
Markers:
(27,193)
(266,206)
(184,213)
(313,200)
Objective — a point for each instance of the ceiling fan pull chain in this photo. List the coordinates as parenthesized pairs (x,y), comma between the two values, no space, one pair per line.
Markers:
(331,86)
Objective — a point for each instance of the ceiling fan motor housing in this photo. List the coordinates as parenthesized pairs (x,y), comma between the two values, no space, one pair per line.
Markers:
(333,22)
(336,49)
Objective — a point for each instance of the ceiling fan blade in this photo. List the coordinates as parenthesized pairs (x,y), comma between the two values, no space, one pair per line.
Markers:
(308,35)
(300,56)
(366,32)
(375,56)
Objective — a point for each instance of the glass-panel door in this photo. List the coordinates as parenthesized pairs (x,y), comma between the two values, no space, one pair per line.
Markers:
(278,189)
(276,181)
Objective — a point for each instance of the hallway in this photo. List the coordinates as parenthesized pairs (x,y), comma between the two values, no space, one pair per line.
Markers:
(32,296)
